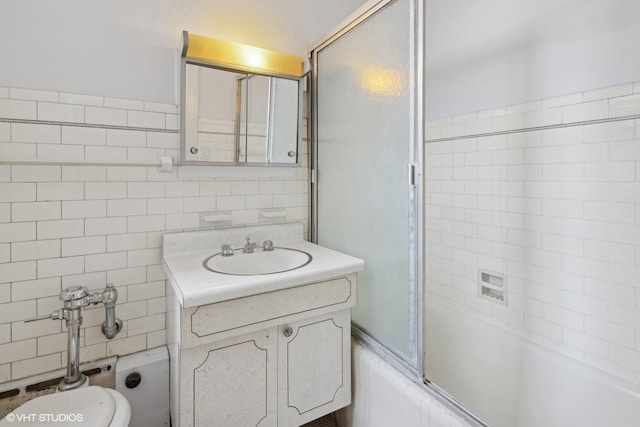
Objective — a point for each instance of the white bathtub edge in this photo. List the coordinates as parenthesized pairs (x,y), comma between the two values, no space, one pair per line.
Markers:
(382,396)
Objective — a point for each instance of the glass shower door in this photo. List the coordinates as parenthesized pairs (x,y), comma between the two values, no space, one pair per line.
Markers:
(364,145)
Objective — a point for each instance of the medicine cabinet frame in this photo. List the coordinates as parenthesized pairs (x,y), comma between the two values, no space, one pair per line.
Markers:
(242,72)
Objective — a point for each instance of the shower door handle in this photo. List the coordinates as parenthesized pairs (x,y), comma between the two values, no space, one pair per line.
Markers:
(412,174)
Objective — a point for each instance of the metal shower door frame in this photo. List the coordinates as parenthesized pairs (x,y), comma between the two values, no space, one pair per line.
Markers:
(414,369)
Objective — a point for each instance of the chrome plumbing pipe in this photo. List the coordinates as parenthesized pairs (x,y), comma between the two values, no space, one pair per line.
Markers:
(112,325)
(74,299)
(74,377)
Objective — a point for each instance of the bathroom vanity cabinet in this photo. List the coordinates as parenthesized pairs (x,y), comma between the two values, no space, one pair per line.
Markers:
(276,359)
(258,349)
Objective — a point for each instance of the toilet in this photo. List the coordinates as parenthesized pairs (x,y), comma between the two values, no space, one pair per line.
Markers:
(91,406)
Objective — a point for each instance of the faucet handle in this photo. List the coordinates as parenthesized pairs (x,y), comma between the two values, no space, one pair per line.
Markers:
(226,250)
(267,245)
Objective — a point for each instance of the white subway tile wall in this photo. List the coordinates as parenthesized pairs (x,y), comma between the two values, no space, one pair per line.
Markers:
(82,205)
(556,210)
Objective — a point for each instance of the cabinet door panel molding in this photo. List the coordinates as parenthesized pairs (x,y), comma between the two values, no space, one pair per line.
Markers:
(283,367)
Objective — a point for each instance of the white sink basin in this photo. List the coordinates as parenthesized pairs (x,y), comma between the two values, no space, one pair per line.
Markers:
(259,262)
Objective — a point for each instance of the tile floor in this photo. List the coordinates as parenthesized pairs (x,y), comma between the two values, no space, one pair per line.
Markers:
(326,421)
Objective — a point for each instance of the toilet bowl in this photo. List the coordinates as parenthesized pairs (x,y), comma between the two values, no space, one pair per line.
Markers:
(90,406)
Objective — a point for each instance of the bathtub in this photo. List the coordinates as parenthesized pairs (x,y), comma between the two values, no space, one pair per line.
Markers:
(505,380)
(383,397)
(510,382)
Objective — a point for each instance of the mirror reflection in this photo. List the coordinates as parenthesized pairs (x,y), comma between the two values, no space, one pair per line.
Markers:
(237,118)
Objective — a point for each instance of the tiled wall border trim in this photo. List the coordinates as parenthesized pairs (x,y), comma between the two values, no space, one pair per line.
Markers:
(86,125)
(535,128)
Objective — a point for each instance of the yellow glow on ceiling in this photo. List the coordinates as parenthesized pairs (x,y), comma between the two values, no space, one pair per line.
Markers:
(241,57)
(382,81)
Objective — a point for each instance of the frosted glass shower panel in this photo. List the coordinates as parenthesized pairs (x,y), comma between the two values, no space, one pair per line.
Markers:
(364,144)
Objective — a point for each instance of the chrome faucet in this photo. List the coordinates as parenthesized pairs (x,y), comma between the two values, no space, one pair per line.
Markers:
(249,247)
(74,299)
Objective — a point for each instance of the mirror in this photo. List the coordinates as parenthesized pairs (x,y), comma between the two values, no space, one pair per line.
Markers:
(239,118)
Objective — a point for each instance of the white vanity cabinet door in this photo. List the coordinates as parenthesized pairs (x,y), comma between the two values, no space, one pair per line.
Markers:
(314,367)
(279,359)
(231,383)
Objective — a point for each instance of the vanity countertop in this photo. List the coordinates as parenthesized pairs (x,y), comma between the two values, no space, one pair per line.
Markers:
(194,285)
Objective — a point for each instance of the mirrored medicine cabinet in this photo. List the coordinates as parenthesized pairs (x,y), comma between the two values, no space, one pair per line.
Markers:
(237,107)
